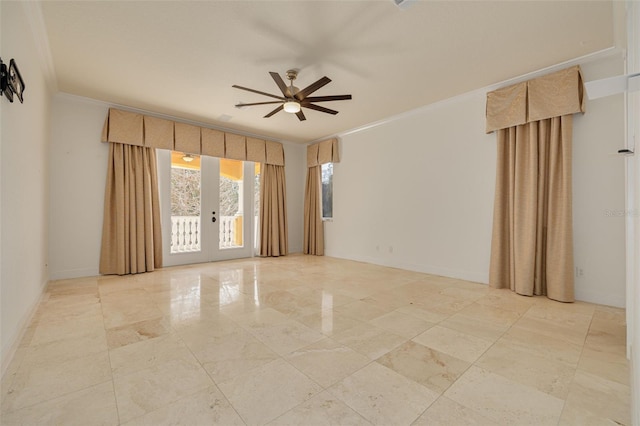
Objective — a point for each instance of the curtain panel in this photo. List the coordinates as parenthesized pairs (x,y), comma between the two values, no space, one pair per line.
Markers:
(313,226)
(532,240)
(317,154)
(131,234)
(273,212)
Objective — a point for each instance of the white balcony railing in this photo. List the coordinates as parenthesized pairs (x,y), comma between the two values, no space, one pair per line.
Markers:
(186,233)
(227,233)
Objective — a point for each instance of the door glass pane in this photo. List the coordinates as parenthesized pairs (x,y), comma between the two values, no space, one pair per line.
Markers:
(185,203)
(256,207)
(231,203)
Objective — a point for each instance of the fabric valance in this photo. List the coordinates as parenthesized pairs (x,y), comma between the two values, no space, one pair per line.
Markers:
(323,152)
(553,95)
(132,128)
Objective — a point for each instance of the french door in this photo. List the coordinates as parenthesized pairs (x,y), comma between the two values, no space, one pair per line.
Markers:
(207,207)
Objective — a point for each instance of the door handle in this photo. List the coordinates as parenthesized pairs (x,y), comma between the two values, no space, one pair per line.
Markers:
(213,218)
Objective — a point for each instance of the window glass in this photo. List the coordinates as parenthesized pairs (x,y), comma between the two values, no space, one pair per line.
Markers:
(327,191)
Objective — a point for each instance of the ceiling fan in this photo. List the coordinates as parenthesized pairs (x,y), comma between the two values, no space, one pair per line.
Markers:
(293,99)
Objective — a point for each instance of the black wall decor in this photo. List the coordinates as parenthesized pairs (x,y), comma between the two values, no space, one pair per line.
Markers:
(11,82)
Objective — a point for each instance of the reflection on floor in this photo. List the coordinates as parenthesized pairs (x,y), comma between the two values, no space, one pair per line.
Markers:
(312,340)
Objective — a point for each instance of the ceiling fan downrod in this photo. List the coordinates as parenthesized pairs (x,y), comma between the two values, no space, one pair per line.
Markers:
(292,75)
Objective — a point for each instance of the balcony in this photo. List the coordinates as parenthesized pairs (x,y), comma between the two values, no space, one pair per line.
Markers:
(186,233)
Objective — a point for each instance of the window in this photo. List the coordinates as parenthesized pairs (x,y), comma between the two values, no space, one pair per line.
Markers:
(327,191)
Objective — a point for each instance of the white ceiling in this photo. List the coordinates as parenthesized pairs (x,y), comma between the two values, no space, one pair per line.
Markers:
(180,58)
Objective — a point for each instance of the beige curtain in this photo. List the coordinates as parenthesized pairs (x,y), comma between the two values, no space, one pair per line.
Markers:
(313,225)
(131,236)
(317,154)
(532,243)
(131,239)
(273,212)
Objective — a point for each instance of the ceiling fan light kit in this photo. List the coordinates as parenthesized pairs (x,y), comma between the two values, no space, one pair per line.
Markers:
(291,107)
(294,99)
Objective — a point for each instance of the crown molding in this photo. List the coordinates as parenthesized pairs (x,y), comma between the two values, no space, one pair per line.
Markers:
(601,54)
(104,104)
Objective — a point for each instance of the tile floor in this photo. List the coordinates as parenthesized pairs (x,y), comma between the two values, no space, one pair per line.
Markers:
(305,340)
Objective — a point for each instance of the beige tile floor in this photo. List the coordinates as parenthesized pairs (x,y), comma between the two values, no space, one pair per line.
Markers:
(305,340)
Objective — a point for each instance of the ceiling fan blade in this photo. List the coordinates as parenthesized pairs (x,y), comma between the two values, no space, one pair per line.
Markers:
(280,82)
(280,108)
(258,92)
(319,108)
(301,116)
(327,98)
(312,88)
(257,103)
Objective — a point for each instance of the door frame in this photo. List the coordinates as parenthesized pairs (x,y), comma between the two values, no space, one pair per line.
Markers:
(210,250)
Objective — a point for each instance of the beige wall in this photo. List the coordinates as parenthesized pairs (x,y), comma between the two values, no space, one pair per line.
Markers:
(417,192)
(78,173)
(24,137)
(413,193)
(598,193)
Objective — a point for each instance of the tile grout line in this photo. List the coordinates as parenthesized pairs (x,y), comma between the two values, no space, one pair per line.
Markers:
(113,383)
(210,377)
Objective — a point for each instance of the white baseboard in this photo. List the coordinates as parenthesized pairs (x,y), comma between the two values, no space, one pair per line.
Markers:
(73,273)
(600,298)
(584,296)
(427,269)
(295,250)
